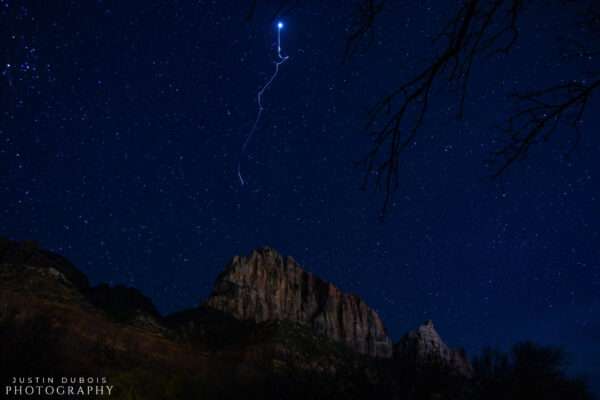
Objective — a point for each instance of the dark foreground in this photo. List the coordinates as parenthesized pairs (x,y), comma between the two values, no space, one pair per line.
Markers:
(54,324)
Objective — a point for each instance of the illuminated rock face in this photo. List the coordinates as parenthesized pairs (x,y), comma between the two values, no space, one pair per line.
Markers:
(424,346)
(266,286)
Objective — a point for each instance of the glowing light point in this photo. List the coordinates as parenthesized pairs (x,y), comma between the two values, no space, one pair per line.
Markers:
(280,60)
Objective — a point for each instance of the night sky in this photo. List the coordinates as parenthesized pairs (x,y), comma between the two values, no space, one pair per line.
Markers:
(121,129)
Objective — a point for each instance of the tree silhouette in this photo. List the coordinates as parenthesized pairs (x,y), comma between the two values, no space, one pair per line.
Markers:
(528,371)
(478,29)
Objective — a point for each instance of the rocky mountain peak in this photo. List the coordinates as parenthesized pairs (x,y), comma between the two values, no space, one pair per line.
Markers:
(428,325)
(425,346)
(266,286)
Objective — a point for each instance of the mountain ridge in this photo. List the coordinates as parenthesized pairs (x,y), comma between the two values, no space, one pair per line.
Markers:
(315,302)
(50,325)
(268,286)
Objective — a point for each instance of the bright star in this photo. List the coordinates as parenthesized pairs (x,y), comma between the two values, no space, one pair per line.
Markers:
(280,25)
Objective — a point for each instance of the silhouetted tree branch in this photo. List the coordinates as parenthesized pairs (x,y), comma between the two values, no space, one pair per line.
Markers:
(478,28)
(538,116)
(360,34)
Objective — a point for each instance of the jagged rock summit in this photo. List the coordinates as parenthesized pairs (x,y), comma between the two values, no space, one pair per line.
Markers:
(266,286)
(424,346)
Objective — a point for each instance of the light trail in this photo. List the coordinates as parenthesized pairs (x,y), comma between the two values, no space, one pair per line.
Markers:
(280,60)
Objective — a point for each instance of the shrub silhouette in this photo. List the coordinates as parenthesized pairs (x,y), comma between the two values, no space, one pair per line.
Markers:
(529,371)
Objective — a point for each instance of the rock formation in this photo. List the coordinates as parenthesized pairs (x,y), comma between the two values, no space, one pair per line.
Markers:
(28,253)
(266,286)
(425,347)
(269,330)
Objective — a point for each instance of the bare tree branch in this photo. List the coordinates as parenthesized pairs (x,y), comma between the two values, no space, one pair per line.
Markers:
(479,28)
(251,10)
(361,35)
(539,114)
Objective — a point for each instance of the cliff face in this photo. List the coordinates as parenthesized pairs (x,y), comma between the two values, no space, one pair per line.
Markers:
(424,346)
(265,286)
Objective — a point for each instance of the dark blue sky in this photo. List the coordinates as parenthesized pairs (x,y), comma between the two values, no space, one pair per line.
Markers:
(121,130)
